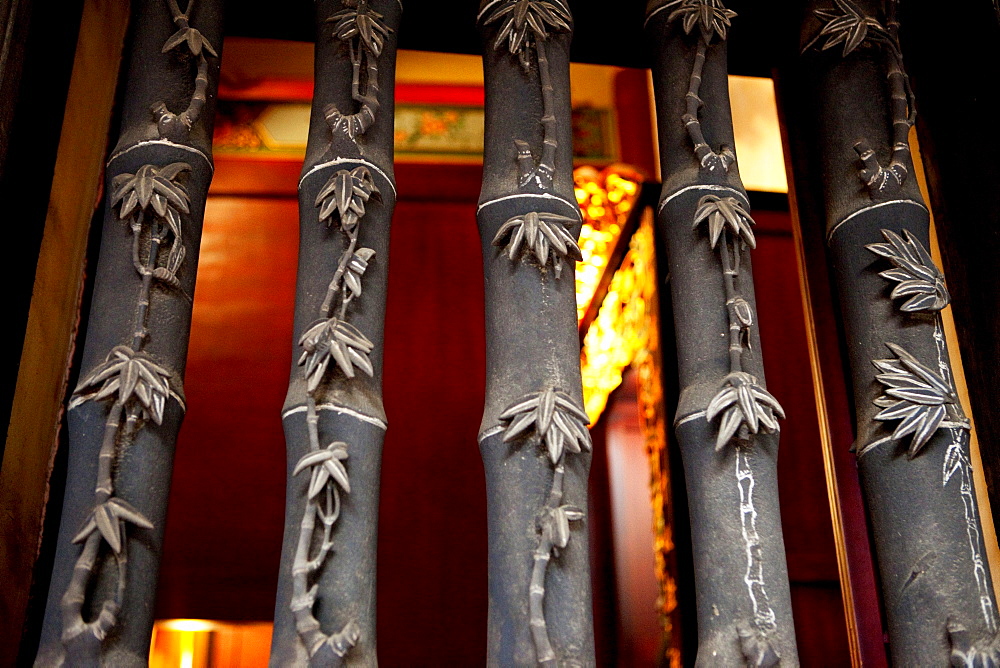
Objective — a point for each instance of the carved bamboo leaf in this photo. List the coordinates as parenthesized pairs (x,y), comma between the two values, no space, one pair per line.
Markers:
(138,189)
(544,235)
(952,462)
(742,402)
(524,21)
(711,16)
(326,464)
(193,38)
(725,213)
(107,519)
(345,194)
(916,396)
(558,422)
(847,24)
(335,339)
(361,21)
(914,271)
(127,376)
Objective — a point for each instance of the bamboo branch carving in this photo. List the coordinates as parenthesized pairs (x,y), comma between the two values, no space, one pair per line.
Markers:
(151,201)
(187,42)
(713,20)
(560,426)
(525,25)
(746,407)
(925,401)
(726,422)
(325,614)
(124,413)
(330,339)
(911,430)
(846,24)
(530,36)
(364,31)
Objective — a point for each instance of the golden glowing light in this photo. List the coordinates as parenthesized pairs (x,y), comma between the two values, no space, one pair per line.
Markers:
(622,326)
(201,643)
(186,625)
(605,198)
(625,333)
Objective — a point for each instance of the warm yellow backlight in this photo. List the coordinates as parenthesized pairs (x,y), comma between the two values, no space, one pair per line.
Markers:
(605,198)
(620,331)
(202,643)
(195,625)
(757,134)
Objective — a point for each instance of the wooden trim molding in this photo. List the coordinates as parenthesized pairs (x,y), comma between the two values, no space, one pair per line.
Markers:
(53,317)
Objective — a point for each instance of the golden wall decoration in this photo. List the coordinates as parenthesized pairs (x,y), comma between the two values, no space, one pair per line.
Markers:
(626,333)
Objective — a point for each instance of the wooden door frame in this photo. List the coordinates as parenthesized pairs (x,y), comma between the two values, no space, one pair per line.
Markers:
(40,390)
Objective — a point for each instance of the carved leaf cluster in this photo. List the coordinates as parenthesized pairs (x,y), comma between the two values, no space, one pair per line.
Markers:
(742,402)
(913,394)
(108,519)
(711,16)
(326,464)
(725,213)
(361,21)
(346,194)
(195,41)
(558,421)
(847,24)
(337,340)
(153,187)
(155,190)
(914,272)
(541,234)
(524,21)
(555,525)
(127,375)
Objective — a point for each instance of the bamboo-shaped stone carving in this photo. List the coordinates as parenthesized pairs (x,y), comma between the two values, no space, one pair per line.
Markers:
(726,422)
(534,440)
(126,411)
(912,436)
(333,416)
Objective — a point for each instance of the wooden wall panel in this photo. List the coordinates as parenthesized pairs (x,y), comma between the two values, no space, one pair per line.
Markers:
(224,523)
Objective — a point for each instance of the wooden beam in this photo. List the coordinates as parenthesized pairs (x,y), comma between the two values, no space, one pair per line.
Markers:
(40,392)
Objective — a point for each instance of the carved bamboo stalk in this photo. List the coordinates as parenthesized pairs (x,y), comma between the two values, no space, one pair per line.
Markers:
(333,416)
(99,608)
(726,421)
(533,440)
(848,87)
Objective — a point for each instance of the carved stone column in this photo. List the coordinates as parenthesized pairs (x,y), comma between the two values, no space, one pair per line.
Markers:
(333,415)
(534,440)
(726,421)
(849,110)
(125,413)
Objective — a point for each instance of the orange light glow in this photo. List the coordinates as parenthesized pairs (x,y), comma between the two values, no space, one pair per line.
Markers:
(605,198)
(200,643)
(626,333)
(622,327)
